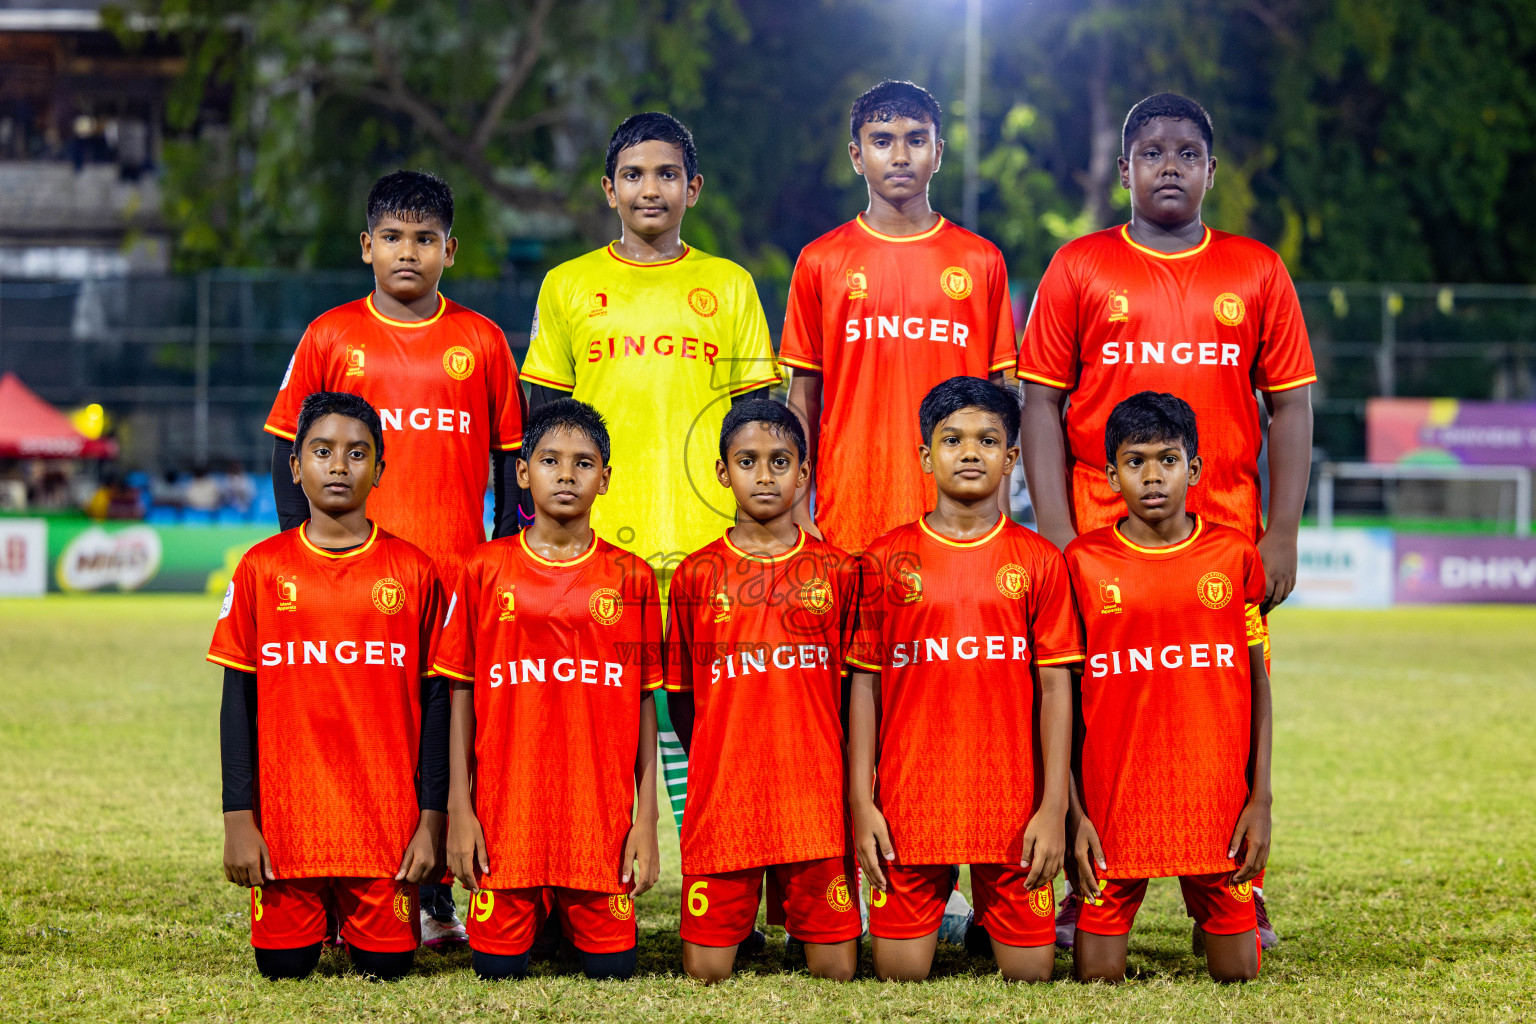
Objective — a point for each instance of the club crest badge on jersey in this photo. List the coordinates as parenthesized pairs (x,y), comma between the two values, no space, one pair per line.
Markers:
(837,895)
(606,605)
(388,595)
(912,586)
(1214,590)
(402,905)
(956,282)
(459,362)
(506,603)
(816,596)
(1040,901)
(1242,891)
(858,284)
(1109,593)
(355,360)
(703,302)
(621,907)
(287,593)
(1119,307)
(721,603)
(1012,581)
(1230,309)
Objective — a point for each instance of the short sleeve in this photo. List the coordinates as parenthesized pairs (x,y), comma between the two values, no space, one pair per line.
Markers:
(1005,348)
(1253,596)
(234,636)
(1049,353)
(431,626)
(505,393)
(1285,352)
(750,364)
(800,345)
(866,653)
(455,652)
(653,672)
(679,643)
(305,375)
(551,360)
(1056,634)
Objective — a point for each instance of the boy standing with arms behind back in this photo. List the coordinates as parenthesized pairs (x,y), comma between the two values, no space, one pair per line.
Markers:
(1176,721)
(1165,303)
(881,310)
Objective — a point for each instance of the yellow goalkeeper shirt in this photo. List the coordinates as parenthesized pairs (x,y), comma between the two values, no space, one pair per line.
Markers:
(659,349)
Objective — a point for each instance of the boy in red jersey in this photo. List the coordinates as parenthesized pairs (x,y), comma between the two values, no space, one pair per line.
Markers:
(1166,303)
(444,382)
(882,309)
(554,640)
(966,625)
(1175,741)
(760,623)
(334,741)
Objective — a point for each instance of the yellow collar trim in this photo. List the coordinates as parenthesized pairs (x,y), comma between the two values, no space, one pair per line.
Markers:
(1002,523)
(522,539)
(664,263)
(1194,535)
(902,238)
(1125,233)
(363,548)
(442,307)
(768,559)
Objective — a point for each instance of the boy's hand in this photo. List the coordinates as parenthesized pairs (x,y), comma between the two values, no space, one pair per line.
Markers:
(467,858)
(1278,553)
(1087,855)
(872,843)
(1045,845)
(1252,826)
(641,851)
(247,861)
(420,858)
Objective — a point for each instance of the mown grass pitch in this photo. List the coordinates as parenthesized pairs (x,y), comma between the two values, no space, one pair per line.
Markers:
(1402,877)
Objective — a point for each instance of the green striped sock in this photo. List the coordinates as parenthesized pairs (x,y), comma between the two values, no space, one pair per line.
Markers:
(674,761)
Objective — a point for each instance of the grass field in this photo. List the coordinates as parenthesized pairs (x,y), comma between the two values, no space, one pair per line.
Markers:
(1402,878)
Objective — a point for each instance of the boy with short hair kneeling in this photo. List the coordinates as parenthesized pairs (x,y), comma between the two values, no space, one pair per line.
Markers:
(960,612)
(1176,718)
(334,740)
(554,646)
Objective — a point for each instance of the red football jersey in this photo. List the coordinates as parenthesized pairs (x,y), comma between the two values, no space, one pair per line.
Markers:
(1166,695)
(446,390)
(1209,324)
(338,643)
(883,320)
(760,642)
(559,654)
(956,630)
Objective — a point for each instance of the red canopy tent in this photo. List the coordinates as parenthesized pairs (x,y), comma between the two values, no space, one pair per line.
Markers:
(30,428)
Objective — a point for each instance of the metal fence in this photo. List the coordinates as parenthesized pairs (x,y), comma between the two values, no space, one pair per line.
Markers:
(188,365)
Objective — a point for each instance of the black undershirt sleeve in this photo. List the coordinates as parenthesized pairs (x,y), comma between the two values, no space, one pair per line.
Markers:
(539,395)
(680,710)
(292,506)
(432,770)
(508,517)
(237,740)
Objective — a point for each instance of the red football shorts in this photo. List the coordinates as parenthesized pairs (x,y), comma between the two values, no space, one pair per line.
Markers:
(913,904)
(377,914)
(504,922)
(813,899)
(1218,906)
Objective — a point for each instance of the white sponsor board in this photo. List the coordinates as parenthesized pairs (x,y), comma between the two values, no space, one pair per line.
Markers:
(23,557)
(1343,569)
(127,559)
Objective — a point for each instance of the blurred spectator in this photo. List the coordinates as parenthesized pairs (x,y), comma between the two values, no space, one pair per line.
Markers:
(168,491)
(203,492)
(13,491)
(239,489)
(115,499)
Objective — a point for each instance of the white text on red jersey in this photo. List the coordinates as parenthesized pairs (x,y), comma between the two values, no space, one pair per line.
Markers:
(1139,659)
(343,652)
(447,420)
(784,657)
(966,648)
(913,328)
(564,670)
(1204,353)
